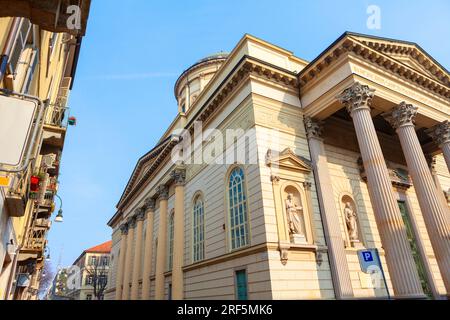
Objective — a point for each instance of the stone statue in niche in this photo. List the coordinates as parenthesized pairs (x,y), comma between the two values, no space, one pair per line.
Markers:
(351,222)
(294,214)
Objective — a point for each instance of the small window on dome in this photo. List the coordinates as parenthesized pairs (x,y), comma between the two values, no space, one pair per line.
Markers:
(183,108)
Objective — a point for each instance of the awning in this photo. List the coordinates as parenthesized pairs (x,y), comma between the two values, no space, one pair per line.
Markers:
(50,15)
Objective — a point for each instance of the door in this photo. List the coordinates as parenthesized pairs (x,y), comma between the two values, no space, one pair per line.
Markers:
(414,249)
(241,285)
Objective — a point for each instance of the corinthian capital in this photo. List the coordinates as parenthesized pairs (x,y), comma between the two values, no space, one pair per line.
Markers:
(402,115)
(179,176)
(124,228)
(163,192)
(440,133)
(356,97)
(313,128)
(131,222)
(140,214)
(149,204)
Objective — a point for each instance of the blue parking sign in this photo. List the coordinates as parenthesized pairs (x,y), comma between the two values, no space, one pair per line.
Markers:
(367,255)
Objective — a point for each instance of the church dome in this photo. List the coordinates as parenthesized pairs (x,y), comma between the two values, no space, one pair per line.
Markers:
(194,79)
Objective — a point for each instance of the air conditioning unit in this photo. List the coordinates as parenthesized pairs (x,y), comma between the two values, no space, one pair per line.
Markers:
(49,160)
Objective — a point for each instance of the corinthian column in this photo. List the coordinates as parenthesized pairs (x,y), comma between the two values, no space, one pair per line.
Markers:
(148,249)
(161,250)
(179,177)
(121,263)
(441,134)
(333,235)
(435,214)
(137,263)
(128,259)
(402,269)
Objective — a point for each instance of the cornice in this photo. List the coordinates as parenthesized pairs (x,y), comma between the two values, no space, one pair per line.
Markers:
(381,59)
(246,66)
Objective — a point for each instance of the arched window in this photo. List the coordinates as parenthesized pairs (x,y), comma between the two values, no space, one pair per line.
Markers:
(171,239)
(198,230)
(237,202)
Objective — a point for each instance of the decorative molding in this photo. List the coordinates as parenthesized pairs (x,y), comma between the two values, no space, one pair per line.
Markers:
(440,133)
(179,176)
(150,204)
(287,159)
(244,68)
(140,214)
(162,192)
(314,129)
(131,222)
(124,228)
(356,97)
(399,177)
(402,115)
(275,179)
(379,55)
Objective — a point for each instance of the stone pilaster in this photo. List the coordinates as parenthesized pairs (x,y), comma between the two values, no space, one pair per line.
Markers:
(441,134)
(435,214)
(148,249)
(402,269)
(128,259)
(179,177)
(163,193)
(121,261)
(336,251)
(137,263)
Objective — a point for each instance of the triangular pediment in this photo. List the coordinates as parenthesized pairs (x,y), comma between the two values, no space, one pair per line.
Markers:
(287,159)
(142,166)
(407,53)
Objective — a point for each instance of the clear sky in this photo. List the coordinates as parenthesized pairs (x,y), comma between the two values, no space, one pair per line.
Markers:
(132,55)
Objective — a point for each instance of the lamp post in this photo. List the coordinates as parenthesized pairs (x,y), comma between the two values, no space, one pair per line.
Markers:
(59,216)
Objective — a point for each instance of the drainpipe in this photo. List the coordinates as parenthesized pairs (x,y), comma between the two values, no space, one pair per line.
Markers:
(4,58)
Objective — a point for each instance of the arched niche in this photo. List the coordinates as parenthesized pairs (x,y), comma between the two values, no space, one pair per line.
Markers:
(352,225)
(296,215)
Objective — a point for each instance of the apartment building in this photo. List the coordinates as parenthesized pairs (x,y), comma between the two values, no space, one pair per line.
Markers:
(39,56)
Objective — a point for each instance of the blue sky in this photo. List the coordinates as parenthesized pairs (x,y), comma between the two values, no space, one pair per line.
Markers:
(132,55)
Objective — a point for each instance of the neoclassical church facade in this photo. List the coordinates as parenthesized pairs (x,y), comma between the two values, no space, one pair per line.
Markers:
(348,152)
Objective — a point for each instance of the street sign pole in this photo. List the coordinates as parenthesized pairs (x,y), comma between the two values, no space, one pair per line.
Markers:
(382,273)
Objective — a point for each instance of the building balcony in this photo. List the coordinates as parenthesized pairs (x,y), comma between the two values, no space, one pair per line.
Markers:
(17,196)
(55,124)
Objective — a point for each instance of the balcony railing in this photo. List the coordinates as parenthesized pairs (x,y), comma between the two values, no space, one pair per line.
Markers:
(17,196)
(57,115)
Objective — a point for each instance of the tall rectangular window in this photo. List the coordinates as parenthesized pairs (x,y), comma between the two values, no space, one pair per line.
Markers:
(198,233)
(171,226)
(241,285)
(237,205)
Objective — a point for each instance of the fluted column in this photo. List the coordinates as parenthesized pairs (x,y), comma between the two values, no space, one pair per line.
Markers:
(435,214)
(179,177)
(148,249)
(441,134)
(137,263)
(402,268)
(162,239)
(128,259)
(333,235)
(121,263)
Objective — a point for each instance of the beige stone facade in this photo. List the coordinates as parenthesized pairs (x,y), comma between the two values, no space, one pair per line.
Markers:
(345,153)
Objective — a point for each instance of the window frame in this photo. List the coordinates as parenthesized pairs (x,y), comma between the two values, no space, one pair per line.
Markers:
(198,197)
(170,236)
(228,207)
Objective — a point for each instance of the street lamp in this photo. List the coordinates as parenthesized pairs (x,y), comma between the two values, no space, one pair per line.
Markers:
(59,216)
